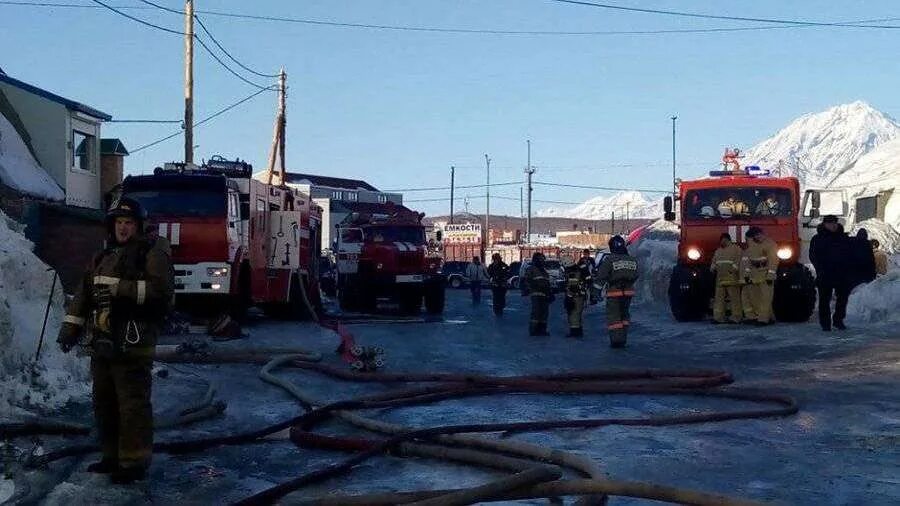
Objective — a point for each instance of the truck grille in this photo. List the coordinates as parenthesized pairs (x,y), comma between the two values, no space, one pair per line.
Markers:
(409,261)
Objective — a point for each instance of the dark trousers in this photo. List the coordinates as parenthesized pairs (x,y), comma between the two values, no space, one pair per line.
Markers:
(475,288)
(499,294)
(842,295)
(540,311)
(122,409)
(618,318)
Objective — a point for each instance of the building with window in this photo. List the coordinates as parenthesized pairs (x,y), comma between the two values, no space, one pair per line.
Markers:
(55,134)
(338,197)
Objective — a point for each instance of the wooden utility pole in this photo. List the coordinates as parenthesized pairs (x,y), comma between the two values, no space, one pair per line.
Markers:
(452,189)
(529,172)
(487,215)
(278,133)
(189,81)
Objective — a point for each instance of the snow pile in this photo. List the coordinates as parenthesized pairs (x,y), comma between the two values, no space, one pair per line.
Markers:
(818,147)
(877,301)
(887,235)
(632,204)
(656,252)
(24,288)
(18,168)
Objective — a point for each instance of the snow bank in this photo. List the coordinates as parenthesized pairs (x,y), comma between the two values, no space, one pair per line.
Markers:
(877,301)
(24,288)
(886,234)
(18,168)
(656,252)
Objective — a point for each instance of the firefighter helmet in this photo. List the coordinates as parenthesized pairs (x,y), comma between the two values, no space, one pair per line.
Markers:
(617,244)
(127,207)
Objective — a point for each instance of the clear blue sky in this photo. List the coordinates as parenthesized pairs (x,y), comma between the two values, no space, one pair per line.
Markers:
(398,108)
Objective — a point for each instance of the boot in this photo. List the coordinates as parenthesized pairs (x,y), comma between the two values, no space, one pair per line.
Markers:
(840,325)
(542,330)
(616,344)
(128,475)
(575,332)
(104,466)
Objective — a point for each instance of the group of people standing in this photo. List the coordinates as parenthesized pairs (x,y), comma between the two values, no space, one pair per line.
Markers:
(618,272)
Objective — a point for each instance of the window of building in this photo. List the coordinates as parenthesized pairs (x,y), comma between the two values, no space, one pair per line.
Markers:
(866,208)
(337,195)
(382,199)
(84,146)
(260,205)
(352,196)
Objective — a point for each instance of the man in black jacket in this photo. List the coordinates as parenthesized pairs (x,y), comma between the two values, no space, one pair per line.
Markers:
(498,272)
(830,253)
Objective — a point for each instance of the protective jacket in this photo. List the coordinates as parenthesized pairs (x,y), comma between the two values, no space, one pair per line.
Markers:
(477,272)
(760,261)
(726,264)
(498,272)
(536,281)
(577,280)
(124,297)
(766,208)
(728,208)
(619,272)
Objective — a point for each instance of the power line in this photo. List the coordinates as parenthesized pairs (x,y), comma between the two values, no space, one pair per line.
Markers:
(204,120)
(436,188)
(793,22)
(284,19)
(138,20)
(229,69)
(604,188)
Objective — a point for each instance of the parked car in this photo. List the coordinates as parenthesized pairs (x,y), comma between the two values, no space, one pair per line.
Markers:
(455,274)
(514,270)
(554,270)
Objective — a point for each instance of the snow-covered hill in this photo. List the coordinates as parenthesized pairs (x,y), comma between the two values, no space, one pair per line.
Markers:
(632,204)
(818,147)
(874,173)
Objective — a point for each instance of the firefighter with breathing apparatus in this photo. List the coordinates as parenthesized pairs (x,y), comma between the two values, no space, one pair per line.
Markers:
(619,271)
(577,283)
(116,314)
(536,283)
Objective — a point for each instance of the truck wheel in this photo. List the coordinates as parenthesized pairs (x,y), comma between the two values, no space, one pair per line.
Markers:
(690,292)
(242,300)
(411,302)
(347,299)
(456,282)
(795,294)
(296,307)
(434,298)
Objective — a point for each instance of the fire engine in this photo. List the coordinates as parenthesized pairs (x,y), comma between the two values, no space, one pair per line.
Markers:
(236,241)
(385,255)
(732,201)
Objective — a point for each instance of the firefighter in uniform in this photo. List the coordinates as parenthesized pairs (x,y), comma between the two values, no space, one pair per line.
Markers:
(116,314)
(726,265)
(588,265)
(760,264)
(577,284)
(619,271)
(536,283)
(498,272)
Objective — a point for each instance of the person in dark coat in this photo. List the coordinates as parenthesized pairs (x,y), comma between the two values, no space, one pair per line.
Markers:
(863,258)
(498,272)
(830,253)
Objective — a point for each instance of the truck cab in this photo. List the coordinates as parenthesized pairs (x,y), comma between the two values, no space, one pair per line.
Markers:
(732,202)
(386,256)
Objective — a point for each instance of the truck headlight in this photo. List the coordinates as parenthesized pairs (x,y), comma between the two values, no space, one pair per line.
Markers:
(694,253)
(216,286)
(379,266)
(785,253)
(217,272)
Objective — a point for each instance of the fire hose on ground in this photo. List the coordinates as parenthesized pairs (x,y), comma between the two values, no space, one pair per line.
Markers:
(482,451)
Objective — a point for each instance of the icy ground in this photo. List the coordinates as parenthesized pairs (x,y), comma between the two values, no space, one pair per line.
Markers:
(842,448)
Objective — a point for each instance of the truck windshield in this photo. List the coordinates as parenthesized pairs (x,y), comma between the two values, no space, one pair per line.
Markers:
(414,235)
(741,203)
(196,204)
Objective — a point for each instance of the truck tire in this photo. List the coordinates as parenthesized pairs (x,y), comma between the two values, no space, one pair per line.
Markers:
(690,293)
(435,298)
(411,302)
(242,300)
(347,299)
(795,294)
(296,307)
(456,282)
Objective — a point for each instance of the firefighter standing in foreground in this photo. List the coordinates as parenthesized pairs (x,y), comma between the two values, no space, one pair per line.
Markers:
(119,307)
(577,284)
(726,264)
(536,283)
(619,271)
(760,265)
(498,272)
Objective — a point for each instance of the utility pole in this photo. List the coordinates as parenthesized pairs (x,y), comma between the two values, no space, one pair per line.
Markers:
(487,216)
(452,188)
(674,191)
(627,216)
(612,227)
(529,171)
(277,151)
(189,81)
(521,203)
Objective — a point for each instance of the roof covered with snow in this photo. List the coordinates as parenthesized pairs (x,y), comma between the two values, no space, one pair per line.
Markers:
(19,169)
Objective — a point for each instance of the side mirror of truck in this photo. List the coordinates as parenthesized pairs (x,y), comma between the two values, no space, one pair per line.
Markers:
(439,235)
(669,214)
(816,201)
(814,213)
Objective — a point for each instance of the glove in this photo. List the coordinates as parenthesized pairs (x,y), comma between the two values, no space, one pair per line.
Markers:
(68,337)
(747,280)
(103,299)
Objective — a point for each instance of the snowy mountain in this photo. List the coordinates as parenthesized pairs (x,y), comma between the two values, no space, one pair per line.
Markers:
(632,204)
(817,147)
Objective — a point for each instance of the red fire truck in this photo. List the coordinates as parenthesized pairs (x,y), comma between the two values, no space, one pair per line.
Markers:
(385,255)
(236,241)
(707,208)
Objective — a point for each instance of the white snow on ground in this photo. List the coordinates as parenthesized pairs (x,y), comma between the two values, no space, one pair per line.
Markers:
(817,147)
(877,301)
(656,253)
(18,168)
(878,171)
(24,289)
(631,203)
(887,235)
